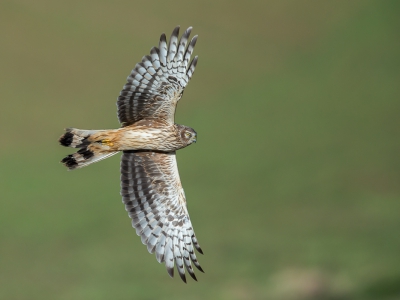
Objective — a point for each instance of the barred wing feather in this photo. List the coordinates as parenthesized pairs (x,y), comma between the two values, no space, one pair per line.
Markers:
(154,198)
(156,84)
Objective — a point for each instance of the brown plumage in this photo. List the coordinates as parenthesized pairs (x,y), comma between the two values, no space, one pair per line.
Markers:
(143,135)
(150,183)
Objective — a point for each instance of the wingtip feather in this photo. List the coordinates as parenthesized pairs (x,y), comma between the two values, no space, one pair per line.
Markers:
(194,40)
(170,272)
(192,275)
(176,30)
(200,268)
(183,277)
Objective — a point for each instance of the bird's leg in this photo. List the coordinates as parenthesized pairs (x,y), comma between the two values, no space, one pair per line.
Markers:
(107,142)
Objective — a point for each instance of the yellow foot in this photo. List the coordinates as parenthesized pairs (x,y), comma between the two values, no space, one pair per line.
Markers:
(107,142)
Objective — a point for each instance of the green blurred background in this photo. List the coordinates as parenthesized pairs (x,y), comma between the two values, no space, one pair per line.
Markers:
(293,187)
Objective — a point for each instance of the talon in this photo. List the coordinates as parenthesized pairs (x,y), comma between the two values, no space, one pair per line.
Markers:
(107,142)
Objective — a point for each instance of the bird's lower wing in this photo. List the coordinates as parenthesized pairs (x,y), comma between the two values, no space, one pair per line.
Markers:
(153,196)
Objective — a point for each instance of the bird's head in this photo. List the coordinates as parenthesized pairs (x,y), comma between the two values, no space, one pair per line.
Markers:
(187,135)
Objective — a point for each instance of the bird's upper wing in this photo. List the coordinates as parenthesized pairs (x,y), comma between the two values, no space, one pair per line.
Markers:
(156,84)
(154,198)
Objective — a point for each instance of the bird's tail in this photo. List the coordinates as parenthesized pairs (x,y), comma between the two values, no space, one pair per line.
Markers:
(91,149)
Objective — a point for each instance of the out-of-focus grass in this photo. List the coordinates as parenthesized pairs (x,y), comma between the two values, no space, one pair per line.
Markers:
(297,168)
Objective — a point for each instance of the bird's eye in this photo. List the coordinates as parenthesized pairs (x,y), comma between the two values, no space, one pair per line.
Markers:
(187,135)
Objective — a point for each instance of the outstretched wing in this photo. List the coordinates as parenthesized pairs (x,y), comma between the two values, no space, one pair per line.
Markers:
(154,198)
(156,84)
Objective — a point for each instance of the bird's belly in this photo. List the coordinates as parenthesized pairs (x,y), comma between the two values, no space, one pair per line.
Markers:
(147,139)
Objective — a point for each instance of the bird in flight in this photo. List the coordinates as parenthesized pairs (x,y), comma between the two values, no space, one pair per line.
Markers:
(148,138)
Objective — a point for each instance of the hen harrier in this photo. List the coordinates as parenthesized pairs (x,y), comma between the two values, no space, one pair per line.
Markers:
(150,186)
